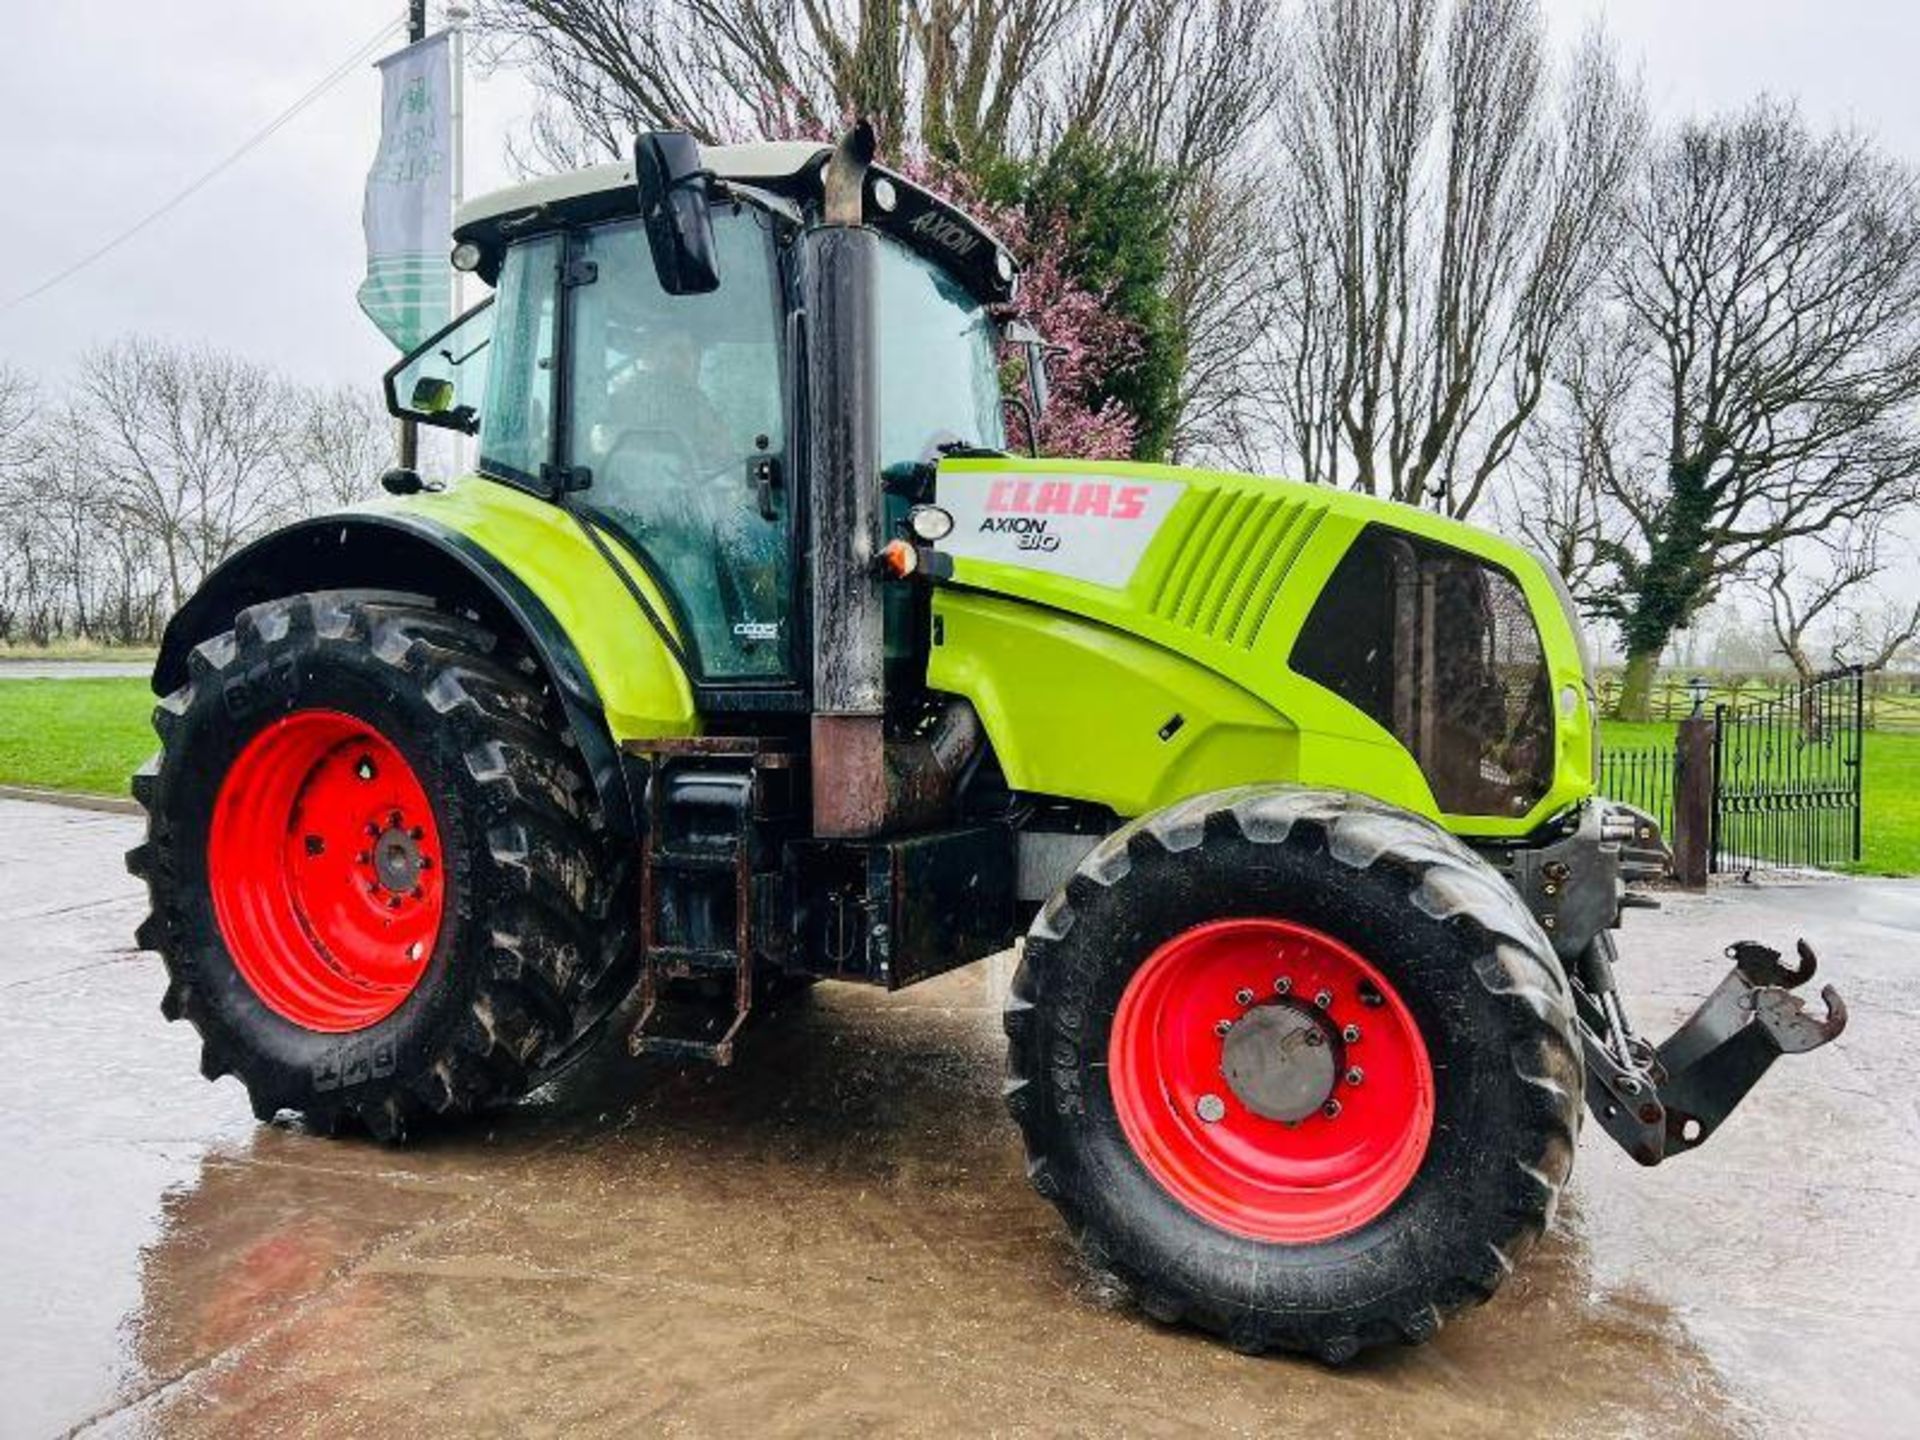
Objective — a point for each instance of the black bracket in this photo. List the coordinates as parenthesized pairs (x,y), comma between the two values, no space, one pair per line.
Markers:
(565,479)
(763,473)
(1671,1099)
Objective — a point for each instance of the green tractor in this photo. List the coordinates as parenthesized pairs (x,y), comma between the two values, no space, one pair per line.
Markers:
(748,656)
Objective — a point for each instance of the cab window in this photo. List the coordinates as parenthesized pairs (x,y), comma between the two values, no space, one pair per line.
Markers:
(674,401)
(1439,648)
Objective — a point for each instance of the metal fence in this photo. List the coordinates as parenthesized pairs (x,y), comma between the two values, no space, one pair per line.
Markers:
(1641,775)
(1891,700)
(1786,777)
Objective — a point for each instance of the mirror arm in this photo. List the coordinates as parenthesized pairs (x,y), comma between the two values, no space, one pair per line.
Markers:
(1025,408)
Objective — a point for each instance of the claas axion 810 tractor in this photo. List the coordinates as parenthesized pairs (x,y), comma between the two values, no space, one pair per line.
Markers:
(750,654)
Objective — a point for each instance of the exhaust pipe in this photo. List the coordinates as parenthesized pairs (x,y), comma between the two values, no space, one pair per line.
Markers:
(841,259)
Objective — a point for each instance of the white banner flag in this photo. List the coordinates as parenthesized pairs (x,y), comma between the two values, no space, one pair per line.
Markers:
(408,214)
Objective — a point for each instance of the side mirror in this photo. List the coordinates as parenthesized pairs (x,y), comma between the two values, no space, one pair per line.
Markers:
(432,395)
(673,208)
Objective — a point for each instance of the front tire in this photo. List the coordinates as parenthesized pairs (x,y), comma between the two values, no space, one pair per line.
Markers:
(379,882)
(1388,1173)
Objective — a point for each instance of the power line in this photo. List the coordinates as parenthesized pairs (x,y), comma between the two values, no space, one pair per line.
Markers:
(258,138)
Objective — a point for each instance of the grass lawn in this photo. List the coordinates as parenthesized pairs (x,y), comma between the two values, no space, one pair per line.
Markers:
(1890,792)
(92,734)
(74,734)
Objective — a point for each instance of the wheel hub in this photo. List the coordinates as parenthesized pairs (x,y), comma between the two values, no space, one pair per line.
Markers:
(1280,1062)
(396,860)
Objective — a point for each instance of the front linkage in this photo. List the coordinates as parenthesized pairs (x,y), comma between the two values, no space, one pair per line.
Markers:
(1660,1100)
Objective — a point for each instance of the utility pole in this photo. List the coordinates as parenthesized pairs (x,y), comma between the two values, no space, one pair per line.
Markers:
(409,456)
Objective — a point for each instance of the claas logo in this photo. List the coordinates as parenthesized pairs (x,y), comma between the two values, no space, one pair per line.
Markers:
(1067,497)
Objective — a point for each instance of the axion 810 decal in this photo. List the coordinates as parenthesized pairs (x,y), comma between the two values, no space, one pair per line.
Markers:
(1087,527)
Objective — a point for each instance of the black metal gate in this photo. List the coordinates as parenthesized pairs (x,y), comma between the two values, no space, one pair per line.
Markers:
(1786,777)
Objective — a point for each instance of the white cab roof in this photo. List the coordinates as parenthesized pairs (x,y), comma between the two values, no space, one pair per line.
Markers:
(768,163)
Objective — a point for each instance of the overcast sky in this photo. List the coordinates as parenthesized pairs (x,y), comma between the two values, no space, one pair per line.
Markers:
(109,107)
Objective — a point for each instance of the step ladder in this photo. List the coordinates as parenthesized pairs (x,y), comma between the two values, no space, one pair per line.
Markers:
(717,810)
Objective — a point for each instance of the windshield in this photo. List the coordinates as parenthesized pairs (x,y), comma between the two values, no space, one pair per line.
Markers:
(939,367)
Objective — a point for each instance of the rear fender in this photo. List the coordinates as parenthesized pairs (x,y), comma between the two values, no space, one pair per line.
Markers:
(414,551)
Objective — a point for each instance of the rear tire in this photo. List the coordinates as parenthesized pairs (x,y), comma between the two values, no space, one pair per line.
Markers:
(1210,1213)
(503,952)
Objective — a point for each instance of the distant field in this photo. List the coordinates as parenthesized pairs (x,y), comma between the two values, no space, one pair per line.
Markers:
(75,650)
(90,735)
(1892,700)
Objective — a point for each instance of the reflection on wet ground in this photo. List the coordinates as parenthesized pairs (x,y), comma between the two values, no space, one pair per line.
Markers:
(836,1233)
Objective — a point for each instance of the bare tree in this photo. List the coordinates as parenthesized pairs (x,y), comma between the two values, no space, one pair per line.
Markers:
(19,410)
(953,71)
(974,81)
(189,445)
(341,442)
(1451,199)
(1880,635)
(1765,314)
(1805,587)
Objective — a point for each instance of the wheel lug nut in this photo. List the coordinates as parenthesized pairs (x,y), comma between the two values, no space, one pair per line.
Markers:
(1221,1027)
(1331,1109)
(1243,997)
(1282,985)
(1351,1034)
(1211,1109)
(316,845)
(1371,997)
(1323,999)
(1355,1075)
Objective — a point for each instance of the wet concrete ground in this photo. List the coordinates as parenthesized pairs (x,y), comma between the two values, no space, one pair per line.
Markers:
(835,1234)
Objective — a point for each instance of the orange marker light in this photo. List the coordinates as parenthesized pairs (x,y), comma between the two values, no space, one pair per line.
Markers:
(900,558)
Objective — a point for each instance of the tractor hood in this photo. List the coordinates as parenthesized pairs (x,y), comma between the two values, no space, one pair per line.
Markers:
(1441,656)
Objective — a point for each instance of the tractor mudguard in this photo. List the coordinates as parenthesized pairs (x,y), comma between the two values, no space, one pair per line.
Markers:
(478,542)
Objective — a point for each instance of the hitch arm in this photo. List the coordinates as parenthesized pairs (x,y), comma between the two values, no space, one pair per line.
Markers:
(1671,1099)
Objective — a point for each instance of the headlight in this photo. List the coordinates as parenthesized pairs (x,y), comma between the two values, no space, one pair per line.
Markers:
(930,522)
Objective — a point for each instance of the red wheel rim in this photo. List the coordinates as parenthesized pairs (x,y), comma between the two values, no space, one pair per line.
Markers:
(1323,1176)
(325,866)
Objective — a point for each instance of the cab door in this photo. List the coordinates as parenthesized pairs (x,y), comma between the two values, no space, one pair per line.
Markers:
(676,437)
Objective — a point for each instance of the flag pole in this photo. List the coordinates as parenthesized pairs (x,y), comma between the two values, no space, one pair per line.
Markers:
(457,118)
(409,447)
(457,14)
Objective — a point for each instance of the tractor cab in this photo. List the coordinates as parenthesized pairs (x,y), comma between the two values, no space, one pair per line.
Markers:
(677,419)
